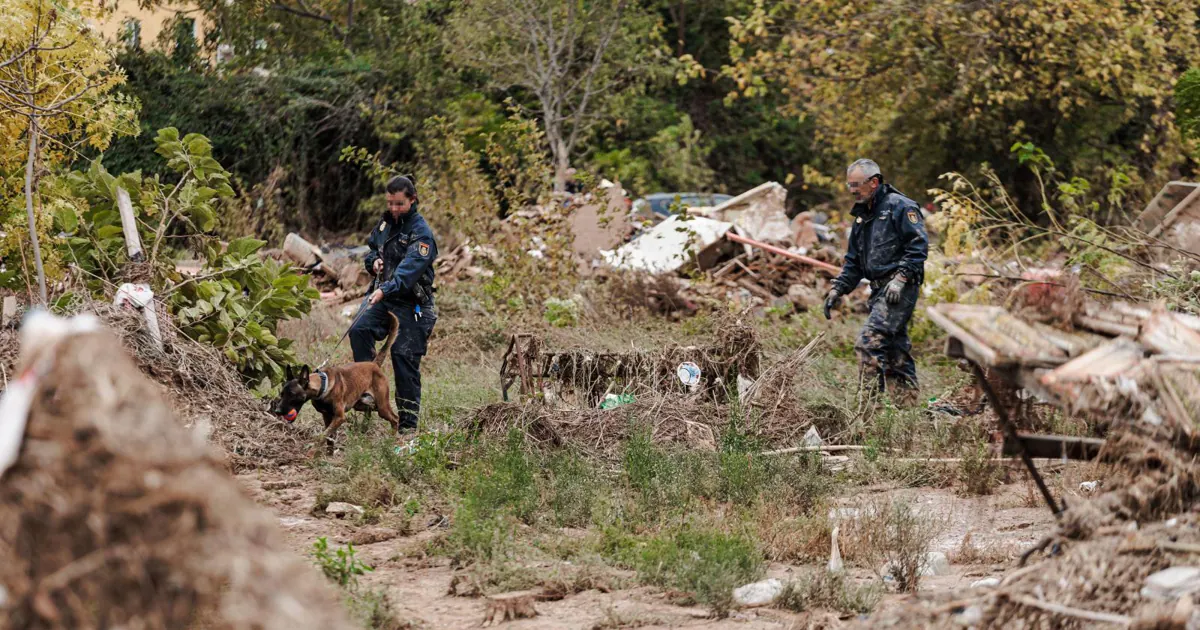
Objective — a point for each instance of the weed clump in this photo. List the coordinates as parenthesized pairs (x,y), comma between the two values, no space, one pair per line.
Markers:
(829,591)
(893,538)
(708,564)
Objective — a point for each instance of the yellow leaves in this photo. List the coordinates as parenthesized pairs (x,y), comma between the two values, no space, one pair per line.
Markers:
(64,82)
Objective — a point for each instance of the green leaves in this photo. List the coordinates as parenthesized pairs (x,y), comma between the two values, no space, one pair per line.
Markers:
(238,309)
(239,304)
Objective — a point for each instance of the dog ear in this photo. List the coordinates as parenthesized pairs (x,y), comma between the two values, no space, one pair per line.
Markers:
(288,373)
(304,373)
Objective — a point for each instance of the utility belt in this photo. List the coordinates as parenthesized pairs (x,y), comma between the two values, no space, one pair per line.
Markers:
(421,294)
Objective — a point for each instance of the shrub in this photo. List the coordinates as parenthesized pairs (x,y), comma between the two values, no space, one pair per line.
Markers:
(342,566)
(831,591)
(708,564)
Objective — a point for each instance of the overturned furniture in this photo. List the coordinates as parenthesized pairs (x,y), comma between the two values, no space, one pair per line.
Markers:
(1150,372)
(585,377)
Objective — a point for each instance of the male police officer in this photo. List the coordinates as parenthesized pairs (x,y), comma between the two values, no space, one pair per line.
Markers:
(888,247)
(401,258)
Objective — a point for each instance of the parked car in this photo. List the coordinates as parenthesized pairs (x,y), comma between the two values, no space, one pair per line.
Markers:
(658,205)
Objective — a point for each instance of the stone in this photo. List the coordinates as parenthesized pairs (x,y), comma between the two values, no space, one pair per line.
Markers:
(970,617)
(759,593)
(1172,583)
(936,563)
(990,582)
(341,510)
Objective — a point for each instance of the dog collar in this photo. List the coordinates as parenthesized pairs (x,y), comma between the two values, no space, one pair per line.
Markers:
(324,385)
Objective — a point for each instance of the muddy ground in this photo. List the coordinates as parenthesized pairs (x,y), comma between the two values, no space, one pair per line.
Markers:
(1000,526)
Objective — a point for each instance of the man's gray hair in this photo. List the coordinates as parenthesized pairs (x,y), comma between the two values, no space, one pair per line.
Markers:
(868,168)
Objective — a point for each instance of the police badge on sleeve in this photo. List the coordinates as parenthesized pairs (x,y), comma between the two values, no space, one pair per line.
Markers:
(423,249)
(912,217)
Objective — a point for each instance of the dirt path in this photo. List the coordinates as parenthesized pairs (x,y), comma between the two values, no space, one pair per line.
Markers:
(417,585)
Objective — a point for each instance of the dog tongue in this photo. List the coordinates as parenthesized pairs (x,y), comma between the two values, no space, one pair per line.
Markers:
(291,415)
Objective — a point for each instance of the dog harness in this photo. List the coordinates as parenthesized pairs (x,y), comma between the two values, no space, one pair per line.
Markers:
(324,386)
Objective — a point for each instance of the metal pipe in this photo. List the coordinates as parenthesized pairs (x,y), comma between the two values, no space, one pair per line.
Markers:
(823,266)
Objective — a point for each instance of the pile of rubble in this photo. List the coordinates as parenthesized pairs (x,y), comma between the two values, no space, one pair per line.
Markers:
(119,517)
(747,248)
(751,251)
(1128,556)
(337,271)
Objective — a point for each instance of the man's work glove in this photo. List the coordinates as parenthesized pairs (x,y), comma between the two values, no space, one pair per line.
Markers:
(895,288)
(832,299)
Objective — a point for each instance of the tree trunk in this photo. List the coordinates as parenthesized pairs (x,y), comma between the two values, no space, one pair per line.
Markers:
(562,161)
(33,235)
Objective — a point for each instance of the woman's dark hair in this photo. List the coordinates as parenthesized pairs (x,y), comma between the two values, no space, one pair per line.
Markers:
(404,184)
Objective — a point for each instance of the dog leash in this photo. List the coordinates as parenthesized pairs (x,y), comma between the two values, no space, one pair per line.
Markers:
(362,309)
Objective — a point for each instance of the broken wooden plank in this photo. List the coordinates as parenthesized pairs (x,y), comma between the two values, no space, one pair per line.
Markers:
(1168,198)
(755,289)
(976,349)
(1166,333)
(833,448)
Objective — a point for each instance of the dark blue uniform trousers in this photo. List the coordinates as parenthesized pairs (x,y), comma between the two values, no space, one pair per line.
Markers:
(409,347)
(884,347)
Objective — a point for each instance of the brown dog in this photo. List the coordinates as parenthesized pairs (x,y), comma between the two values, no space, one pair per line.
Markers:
(335,391)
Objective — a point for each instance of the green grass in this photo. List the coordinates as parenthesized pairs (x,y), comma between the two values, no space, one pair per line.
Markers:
(706,563)
(692,521)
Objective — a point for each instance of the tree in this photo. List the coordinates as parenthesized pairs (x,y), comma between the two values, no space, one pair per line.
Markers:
(930,86)
(55,78)
(569,55)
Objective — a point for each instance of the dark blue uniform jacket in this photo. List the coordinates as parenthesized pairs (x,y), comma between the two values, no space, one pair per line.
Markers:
(408,250)
(888,236)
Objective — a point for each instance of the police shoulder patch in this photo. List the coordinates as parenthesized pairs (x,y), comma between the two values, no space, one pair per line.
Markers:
(423,249)
(912,217)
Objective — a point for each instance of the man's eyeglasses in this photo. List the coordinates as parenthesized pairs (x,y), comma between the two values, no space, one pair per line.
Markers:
(857,185)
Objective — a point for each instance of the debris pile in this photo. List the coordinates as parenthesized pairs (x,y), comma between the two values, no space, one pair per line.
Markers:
(593,401)
(751,251)
(200,385)
(119,517)
(583,377)
(1127,554)
(337,271)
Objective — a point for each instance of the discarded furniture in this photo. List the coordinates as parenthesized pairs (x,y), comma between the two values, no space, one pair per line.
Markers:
(1149,371)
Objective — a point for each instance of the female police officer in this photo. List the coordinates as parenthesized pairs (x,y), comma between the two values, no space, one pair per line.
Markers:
(401,258)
